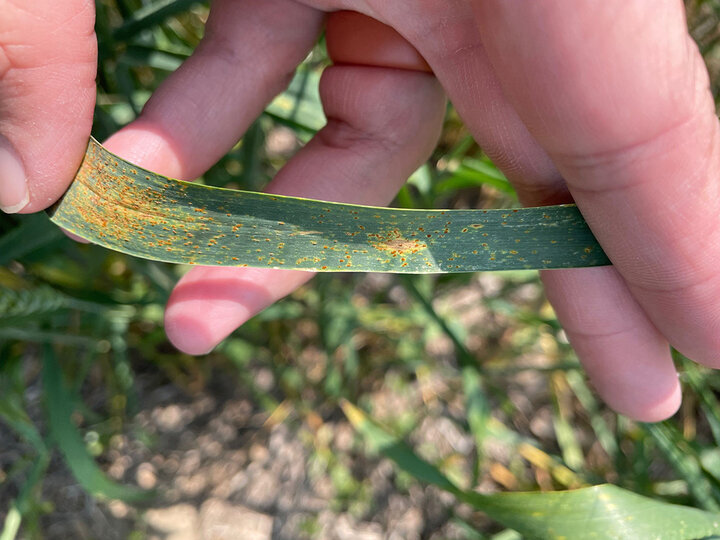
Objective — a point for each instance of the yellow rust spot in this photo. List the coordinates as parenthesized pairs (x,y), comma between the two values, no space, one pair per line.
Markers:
(394,243)
(113,203)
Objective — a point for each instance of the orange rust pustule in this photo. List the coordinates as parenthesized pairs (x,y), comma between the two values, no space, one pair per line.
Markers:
(395,244)
(125,208)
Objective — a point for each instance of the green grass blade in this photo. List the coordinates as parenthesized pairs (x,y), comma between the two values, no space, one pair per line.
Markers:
(11,525)
(15,416)
(709,402)
(604,511)
(29,303)
(380,440)
(299,107)
(22,305)
(46,336)
(34,232)
(604,434)
(164,60)
(12,413)
(686,462)
(12,405)
(70,443)
(570,448)
(476,400)
(22,505)
(150,16)
(125,208)
(473,173)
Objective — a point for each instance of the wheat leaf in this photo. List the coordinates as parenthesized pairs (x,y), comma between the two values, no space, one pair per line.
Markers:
(123,207)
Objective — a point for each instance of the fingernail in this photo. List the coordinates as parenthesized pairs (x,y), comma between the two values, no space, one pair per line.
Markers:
(14,194)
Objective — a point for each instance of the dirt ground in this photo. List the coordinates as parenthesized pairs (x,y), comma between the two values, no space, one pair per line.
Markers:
(223,471)
(226,468)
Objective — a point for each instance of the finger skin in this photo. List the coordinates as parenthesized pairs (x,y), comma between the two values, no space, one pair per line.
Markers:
(530,166)
(619,98)
(48,62)
(624,355)
(620,366)
(248,55)
(381,126)
(542,184)
(353,38)
(382,123)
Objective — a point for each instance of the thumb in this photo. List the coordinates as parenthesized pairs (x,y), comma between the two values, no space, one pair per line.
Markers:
(48,58)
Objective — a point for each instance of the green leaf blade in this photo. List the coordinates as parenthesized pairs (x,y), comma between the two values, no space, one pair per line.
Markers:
(70,443)
(603,511)
(597,512)
(125,208)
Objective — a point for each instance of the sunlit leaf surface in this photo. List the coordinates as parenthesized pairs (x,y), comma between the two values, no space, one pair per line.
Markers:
(125,208)
(603,511)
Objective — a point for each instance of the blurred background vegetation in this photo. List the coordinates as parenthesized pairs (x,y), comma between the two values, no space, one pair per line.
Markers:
(472,370)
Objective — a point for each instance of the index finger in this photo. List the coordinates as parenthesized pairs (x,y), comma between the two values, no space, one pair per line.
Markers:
(617,94)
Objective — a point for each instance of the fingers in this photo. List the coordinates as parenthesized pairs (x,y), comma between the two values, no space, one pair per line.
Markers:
(208,304)
(447,37)
(353,38)
(619,347)
(382,124)
(365,135)
(48,56)
(624,355)
(248,55)
(617,94)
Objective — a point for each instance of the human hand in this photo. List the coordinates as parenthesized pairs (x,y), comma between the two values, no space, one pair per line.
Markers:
(609,99)
(48,63)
